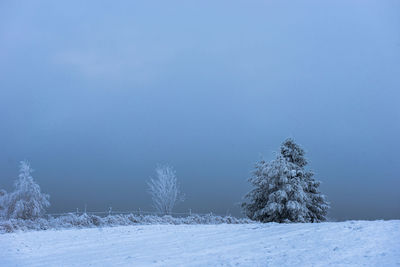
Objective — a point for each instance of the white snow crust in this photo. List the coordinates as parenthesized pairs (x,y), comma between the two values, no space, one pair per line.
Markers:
(351,243)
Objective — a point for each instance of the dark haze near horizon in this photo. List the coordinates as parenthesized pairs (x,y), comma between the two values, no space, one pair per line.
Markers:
(95,95)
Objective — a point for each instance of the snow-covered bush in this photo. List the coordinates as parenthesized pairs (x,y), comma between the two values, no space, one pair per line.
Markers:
(7,227)
(284,191)
(3,200)
(73,220)
(27,201)
(164,190)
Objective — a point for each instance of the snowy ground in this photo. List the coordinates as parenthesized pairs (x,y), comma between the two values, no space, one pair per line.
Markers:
(353,243)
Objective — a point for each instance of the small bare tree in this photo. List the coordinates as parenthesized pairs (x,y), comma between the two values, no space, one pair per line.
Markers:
(164,189)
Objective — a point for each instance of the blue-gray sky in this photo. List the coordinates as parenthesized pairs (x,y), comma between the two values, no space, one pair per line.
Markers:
(95,94)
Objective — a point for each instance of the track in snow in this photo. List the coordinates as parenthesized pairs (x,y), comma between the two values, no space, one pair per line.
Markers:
(352,243)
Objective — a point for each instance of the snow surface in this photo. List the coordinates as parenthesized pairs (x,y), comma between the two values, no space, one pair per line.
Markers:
(352,243)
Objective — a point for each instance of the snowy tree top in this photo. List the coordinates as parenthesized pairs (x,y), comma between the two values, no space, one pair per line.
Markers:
(293,153)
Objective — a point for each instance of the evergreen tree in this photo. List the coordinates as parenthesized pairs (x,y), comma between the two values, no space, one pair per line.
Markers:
(27,201)
(317,204)
(284,191)
(278,195)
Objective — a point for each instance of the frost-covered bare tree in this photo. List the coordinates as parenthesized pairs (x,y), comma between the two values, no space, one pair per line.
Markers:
(27,201)
(164,189)
(284,191)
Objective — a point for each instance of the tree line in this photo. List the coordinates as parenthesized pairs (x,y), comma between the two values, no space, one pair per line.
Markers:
(283,191)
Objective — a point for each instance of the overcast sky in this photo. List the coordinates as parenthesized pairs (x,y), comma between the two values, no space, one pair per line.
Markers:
(95,94)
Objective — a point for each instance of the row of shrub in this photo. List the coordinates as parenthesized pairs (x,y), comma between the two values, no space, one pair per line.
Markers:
(73,220)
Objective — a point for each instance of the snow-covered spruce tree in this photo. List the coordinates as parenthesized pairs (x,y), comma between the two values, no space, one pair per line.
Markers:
(317,203)
(27,201)
(284,191)
(278,195)
(164,190)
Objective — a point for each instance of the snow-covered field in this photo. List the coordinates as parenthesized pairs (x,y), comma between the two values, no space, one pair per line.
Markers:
(352,243)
